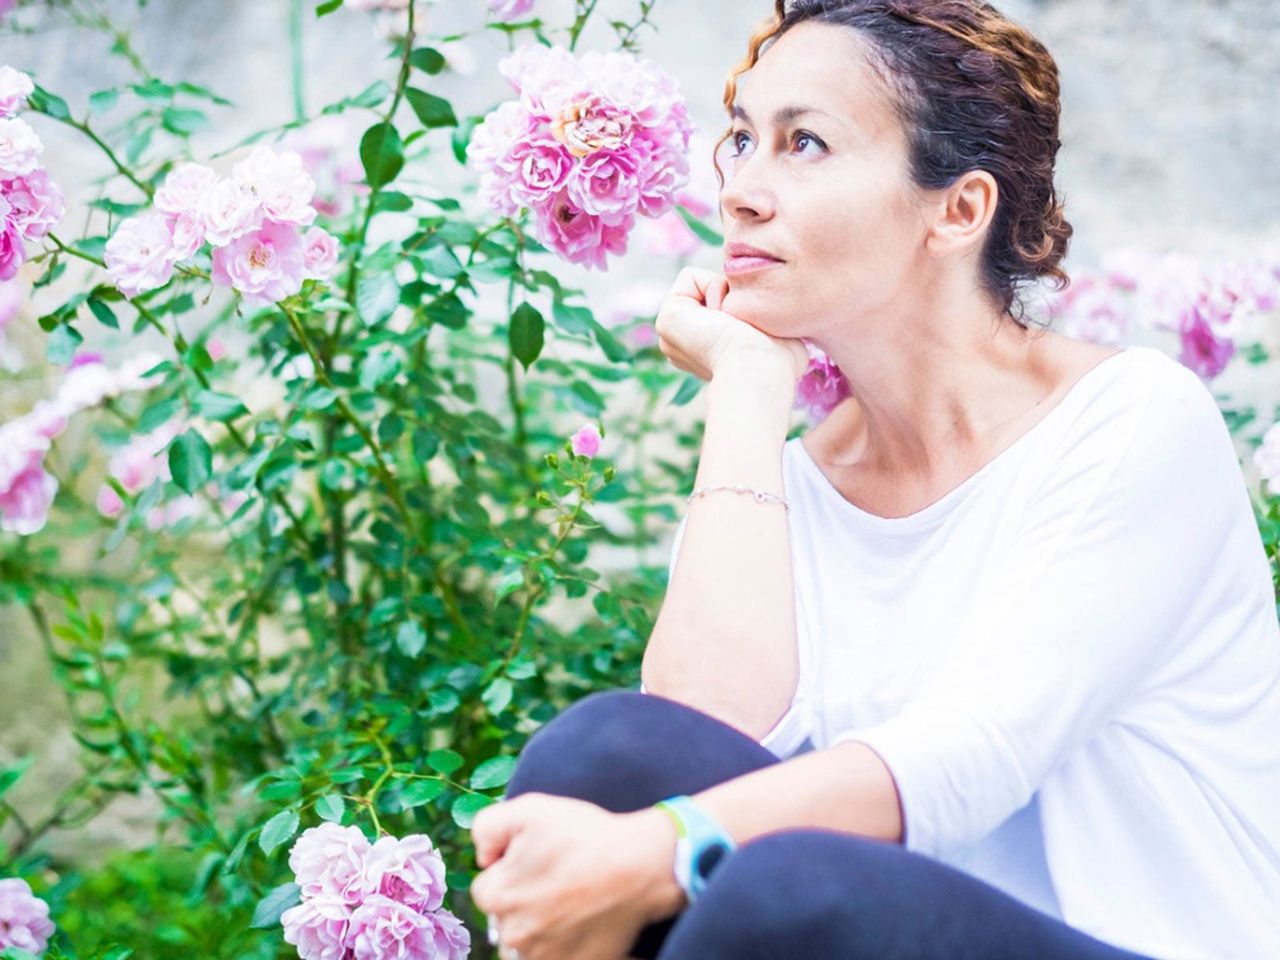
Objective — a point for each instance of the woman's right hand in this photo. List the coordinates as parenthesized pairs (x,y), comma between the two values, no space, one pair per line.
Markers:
(698,337)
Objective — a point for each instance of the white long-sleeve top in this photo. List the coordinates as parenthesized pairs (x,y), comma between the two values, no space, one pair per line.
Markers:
(1070,663)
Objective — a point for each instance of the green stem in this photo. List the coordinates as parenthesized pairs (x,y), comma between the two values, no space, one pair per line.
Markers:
(296,60)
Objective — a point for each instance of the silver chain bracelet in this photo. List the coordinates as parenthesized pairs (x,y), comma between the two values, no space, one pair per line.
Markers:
(761,496)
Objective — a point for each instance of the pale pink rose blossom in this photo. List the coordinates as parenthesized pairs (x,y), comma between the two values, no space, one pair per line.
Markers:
(36,204)
(318,928)
(216,349)
(282,186)
(140,254)
(1267,459)
(586,442)
(183,188)
(1206,347)
(265,266)
(15,87)
(26,494)
(20,148)
(228,210)
(329,861)
(108,502)
(319,254)
(24,917)
(12,251)
(382,929)
(187,232)
(408,870)
(510,10)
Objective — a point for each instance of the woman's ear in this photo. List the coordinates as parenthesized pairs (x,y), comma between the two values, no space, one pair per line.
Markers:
(964,211)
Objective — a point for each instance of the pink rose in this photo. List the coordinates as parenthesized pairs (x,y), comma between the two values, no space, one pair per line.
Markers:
(12,252)
(24,509)
(24,918)
(140,254)
(186,231)
(586,442)
(15,87)
(1205,349)
(329,861)
(822,386)
(283,188)
(20,148)
(408,870)
(382,929)
(604,184)
(509,10)
(319,254)
(228,210)
(318,928)
(183,188)
(266,266)
(36,203)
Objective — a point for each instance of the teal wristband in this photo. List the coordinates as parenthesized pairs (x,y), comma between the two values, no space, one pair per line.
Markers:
(701,843)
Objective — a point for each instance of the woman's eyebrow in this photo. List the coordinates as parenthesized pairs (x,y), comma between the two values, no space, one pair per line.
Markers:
(782,114)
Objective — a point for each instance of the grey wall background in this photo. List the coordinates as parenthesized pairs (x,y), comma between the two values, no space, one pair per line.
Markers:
(1171,133)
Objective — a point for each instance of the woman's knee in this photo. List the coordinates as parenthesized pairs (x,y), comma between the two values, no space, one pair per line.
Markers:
(789,893)
(595,749)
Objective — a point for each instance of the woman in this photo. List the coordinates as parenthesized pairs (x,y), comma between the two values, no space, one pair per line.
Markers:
(987,665)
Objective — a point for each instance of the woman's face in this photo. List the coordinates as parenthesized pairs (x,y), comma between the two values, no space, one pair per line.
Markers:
(826,190)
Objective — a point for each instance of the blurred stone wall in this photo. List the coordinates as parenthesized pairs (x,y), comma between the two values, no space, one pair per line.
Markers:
(1170,133)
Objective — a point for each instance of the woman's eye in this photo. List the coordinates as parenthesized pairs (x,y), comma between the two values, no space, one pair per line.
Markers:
(797,138)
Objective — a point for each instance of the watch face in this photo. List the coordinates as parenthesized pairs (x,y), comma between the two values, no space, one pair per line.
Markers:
(709,857)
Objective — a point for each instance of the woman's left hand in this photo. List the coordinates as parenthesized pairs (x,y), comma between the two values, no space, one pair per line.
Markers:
(566,879)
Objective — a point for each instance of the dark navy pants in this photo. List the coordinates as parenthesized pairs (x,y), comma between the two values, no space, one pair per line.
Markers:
(793,893)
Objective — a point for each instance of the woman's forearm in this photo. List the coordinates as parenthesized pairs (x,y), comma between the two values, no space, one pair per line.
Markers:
(846,787)
(725,638)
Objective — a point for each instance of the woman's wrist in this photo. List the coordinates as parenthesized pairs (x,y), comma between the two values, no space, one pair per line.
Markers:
(664,896)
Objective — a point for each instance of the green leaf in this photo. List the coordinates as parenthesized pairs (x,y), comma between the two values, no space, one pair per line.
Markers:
(11,774)
(525,334)
(411,638)
(497,696)
(271,907)
(218,406)
(328,7)
(278,830)
(433,111)
(700,229)
(444,761)
(467,806)
(382,154)
(331,807)
(103,100)
(511,581)
(427,59)
(106,316)
(62,345)
(183,122)
(48,103)
(419,792)
(494,772)
(190,461)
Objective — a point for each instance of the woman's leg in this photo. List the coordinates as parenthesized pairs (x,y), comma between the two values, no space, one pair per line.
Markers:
(625,750)
(824,893)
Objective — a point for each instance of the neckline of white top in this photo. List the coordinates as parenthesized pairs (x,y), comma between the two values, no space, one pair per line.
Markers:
(925,514)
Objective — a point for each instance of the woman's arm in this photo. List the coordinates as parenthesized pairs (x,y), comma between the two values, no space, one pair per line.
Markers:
(725,637)
(846,787)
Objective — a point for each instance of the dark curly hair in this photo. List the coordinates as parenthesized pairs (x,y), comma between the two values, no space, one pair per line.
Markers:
(974,91)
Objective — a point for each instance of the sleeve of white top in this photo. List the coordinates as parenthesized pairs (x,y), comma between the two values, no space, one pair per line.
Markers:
(792,728)
(1079,613)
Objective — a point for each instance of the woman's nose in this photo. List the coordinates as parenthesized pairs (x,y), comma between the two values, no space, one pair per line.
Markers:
(746,194)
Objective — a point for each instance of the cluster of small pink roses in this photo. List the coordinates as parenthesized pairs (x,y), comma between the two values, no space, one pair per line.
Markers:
(252,220)
(587,146)
(24,918)
(30,202)
(27,489)
(363,901)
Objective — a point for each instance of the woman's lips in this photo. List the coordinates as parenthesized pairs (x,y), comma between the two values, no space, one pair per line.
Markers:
(739,265)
